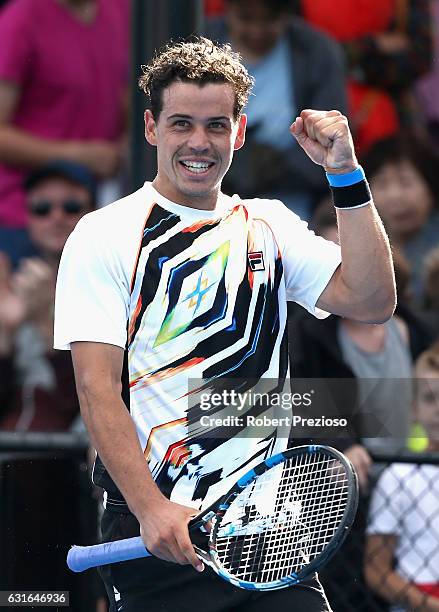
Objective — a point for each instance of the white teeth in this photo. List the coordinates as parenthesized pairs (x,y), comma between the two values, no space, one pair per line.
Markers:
(196,167)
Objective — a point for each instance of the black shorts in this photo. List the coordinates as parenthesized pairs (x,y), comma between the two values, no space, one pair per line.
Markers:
(152,585)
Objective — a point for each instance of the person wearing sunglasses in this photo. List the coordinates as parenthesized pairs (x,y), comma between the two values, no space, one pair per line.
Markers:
(37,388)
(57,196)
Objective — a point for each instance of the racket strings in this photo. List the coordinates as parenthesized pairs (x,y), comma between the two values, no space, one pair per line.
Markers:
(284,519)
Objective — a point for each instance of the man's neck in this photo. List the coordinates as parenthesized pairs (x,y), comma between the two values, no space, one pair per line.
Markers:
(204,202)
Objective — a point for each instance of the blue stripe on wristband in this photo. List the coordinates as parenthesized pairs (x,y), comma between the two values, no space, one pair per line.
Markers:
(347,179)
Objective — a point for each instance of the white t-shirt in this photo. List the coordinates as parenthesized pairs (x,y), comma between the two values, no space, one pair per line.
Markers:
(405,503)
(190,294)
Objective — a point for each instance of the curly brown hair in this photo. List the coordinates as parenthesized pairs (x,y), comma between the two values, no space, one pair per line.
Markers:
(201,61)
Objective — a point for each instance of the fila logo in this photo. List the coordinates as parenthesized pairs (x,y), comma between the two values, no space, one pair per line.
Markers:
(256,261)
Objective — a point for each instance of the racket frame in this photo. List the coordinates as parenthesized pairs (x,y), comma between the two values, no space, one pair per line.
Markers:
(80,558)
(216,512)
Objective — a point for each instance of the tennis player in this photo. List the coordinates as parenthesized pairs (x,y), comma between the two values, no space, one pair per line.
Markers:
(178,281)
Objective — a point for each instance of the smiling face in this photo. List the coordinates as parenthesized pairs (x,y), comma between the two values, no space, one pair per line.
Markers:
(195,135)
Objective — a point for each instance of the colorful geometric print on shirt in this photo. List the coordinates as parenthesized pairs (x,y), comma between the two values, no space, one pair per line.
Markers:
(199,311)
(197,299)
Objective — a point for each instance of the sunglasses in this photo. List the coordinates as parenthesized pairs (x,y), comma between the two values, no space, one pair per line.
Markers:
(43,208)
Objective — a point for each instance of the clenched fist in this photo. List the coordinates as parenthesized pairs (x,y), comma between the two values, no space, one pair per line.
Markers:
(326,139)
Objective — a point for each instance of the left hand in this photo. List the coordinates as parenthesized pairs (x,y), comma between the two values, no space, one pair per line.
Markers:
(326,139)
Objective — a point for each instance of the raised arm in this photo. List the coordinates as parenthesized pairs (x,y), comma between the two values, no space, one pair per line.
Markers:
(163,524)
(363,287)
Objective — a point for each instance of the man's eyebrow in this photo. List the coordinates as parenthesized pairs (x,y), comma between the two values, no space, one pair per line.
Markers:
(220,118)
(179,116)
(182,116)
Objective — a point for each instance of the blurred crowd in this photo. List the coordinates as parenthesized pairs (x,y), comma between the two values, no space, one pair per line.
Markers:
(64,116)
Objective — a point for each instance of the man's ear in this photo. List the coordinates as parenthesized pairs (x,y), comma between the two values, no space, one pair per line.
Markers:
(150,128)
(240,136)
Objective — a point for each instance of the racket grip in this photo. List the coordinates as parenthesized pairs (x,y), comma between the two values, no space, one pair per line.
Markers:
(80,558)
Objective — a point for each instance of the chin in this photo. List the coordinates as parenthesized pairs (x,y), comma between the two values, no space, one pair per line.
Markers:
(198,191)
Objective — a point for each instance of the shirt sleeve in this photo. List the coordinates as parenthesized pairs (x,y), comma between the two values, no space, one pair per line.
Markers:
(309,261)
(92,293)
(387,506)
(17,41)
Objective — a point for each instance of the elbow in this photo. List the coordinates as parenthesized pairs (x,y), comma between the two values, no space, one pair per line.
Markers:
(374,315)
(383,303)
(379,308)
(383,314)
(387,305)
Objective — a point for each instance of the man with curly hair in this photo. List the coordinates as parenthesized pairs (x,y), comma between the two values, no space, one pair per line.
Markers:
(177,282)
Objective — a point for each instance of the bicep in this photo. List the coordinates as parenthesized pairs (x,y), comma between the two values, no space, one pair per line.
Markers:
(9,96)
(98,367)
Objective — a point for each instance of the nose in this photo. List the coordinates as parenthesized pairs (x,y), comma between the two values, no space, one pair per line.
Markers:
(57,214)
(198,140)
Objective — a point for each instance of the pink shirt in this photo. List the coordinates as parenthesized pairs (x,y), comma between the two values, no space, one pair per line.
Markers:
(72,76)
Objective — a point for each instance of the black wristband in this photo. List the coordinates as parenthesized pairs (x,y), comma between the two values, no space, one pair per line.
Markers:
(352,196)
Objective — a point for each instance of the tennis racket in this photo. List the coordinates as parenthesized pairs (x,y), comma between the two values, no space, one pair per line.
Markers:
(276,526)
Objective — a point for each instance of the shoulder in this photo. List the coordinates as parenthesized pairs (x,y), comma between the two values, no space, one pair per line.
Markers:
(269,210)
(116,229)
(121,215)
(283,222)
(286,225)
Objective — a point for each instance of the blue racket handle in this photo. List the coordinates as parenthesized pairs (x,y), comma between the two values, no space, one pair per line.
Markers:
(80,558)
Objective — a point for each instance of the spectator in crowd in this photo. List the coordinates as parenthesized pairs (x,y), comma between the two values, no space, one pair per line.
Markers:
(403,174)
(294,67)
(338,348)
(63,82)
(420,323)
(388,45)
(37,387)
(402,552)
(376,357)
(335,349)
